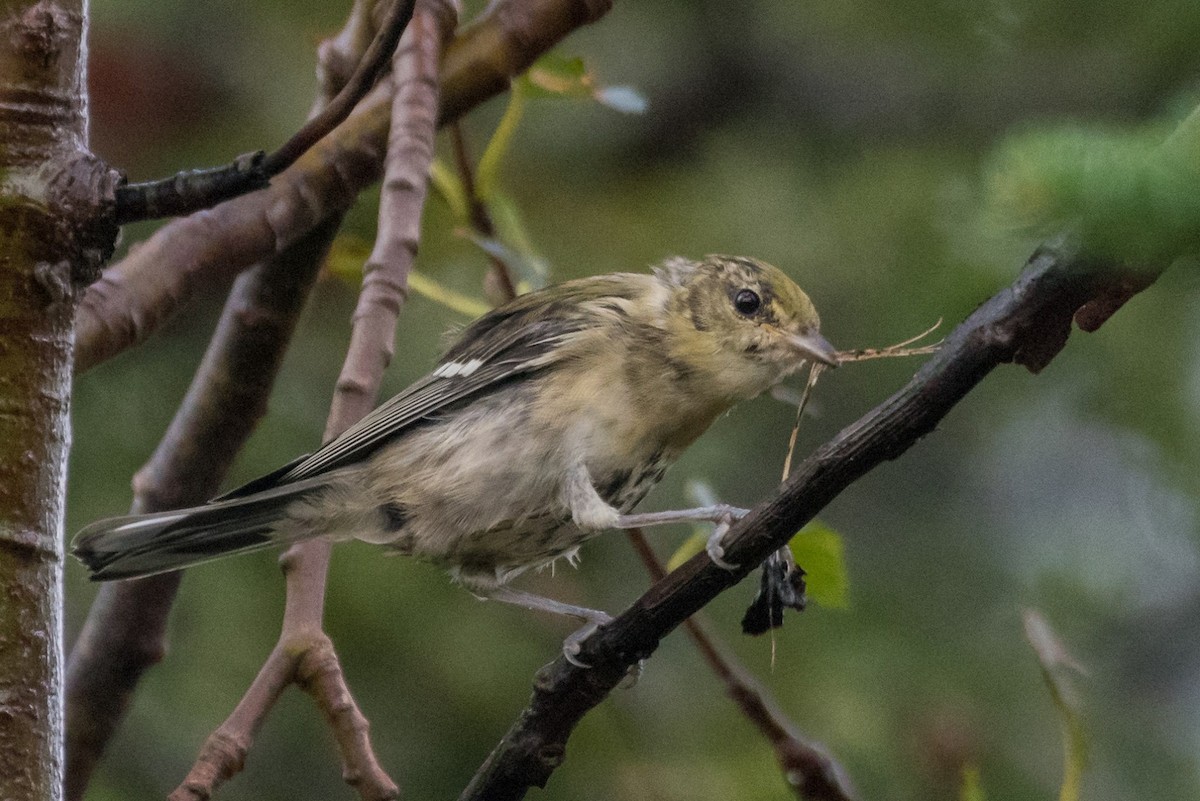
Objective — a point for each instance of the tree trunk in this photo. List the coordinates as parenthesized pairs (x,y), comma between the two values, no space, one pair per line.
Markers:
(53,238)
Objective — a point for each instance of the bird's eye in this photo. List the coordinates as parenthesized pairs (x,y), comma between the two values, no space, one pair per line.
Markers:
(747,301)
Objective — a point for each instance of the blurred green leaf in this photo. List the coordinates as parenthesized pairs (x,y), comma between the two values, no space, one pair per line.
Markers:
(554,75)
(533,270)
(455,301)
(819,550)
(693,545)
(447,184)
(972,785)
(346,257)
(1057,666)
(1132,195)
(487,175)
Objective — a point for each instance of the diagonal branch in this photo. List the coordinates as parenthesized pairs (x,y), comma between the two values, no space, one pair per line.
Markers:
(193,190)
(807,767)
(1028,323)
(135,295)
(304,654)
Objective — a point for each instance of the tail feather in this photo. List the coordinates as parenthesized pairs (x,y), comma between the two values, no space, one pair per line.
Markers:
(142,545)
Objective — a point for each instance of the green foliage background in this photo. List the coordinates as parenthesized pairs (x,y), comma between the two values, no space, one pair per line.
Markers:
(849,143)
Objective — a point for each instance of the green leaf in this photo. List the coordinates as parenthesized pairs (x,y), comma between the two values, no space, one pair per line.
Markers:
(463,304)
(819,550)
(1058,666)
(1128,194)
(533,270)
(972,787)
(555,75)
(487,175)
(687,549)
(346,258)
(447,184)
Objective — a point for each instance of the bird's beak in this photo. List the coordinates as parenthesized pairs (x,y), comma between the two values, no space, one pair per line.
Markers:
(815,348)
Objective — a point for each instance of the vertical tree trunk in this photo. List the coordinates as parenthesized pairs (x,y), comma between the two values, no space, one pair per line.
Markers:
(53,237)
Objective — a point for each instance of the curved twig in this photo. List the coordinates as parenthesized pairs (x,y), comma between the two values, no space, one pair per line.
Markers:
(1027,323)
(193,190)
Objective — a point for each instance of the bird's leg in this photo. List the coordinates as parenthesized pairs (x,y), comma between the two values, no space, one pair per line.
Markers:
(590,511)
(722,514)
(592,619)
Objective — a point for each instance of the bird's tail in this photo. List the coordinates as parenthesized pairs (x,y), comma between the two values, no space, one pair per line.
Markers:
(142,545)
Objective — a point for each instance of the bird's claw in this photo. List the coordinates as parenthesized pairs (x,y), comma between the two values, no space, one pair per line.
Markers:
(713,547)
(573,644)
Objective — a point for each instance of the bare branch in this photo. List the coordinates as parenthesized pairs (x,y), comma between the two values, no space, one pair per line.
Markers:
(191,191)
(137,294)
(807,767)
(304,654)
(125,632)
(1027,323)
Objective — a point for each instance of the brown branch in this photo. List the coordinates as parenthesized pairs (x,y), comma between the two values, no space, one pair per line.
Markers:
(807,767)
(194,190)
(137,294)
(304,654)
(125,631)
(502,42)
(1027,323)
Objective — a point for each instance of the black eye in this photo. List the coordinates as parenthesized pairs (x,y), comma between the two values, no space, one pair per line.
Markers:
(747,301)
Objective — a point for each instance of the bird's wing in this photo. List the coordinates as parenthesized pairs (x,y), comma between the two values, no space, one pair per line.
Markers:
(514,341)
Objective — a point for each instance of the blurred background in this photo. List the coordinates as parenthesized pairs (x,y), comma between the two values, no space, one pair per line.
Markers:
(848,143)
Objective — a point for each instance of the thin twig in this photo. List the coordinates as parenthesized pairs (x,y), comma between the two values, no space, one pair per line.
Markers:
(193,190)
(125,631)
(304,654)
(1027,323)
(807,767)
(893,351)
(814,372)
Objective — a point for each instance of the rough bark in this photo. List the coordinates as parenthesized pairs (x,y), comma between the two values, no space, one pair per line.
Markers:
(52,241)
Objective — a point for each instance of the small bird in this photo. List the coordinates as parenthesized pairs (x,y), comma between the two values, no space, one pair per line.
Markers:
(544,424)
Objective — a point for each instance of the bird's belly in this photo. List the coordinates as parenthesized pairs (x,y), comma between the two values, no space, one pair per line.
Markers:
(481,492)
(477,495)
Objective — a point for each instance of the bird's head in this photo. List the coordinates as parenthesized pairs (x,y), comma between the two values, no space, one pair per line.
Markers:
(744,319)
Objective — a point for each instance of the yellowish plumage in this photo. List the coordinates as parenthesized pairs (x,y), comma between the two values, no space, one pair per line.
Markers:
(546,422)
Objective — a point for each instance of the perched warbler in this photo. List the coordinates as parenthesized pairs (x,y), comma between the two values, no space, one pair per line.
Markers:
(545,423)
